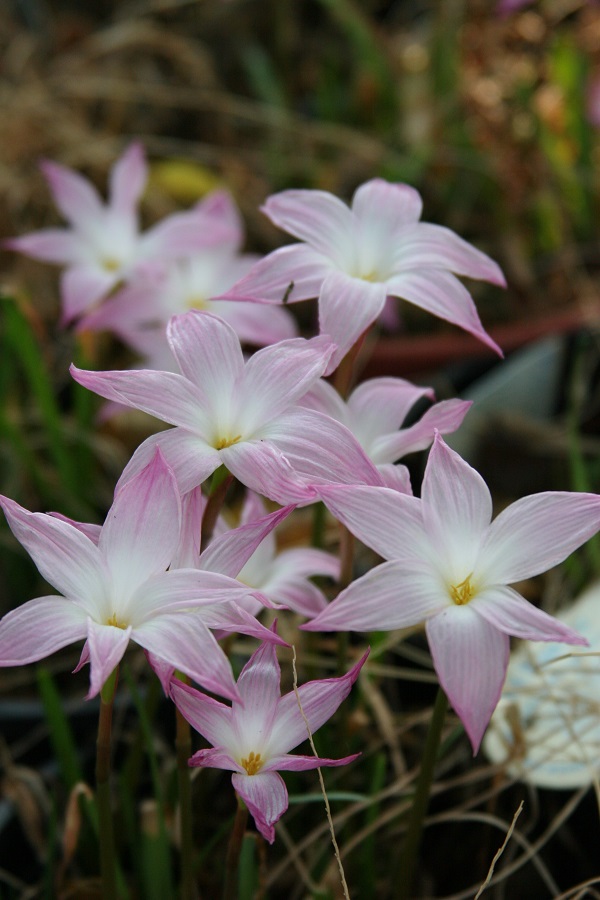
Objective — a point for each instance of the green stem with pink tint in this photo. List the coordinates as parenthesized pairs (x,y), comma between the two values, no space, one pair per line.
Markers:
(108,866)
(234,849)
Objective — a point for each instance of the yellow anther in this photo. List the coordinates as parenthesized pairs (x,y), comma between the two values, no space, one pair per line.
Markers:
(110,264)
(462,593)
(253,763)
(115,622)
(222,443)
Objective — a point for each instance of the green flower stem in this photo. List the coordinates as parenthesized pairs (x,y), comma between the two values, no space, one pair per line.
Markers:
(183,746)
(219,486)
(234,850)
(408,855)
(107,842)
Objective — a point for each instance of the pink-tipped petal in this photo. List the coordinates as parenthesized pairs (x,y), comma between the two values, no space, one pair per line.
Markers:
(470,657)
(214,757)
(347,306)
(538,532)
(293,762)
(317,217)
(381,209)
(441,294)
(266,797)
(506,610)
(191,458)
(207,716)
(380,405)
(262,467)
(385,520)
(319,700)
(38,628)
(106,646)
(445,417)
(183,640)
(433,246)
(228,553)
(258,324)
(287,275)
(193,504)
(53,245)
(141,532)
(396,477)
(65,557)
(183,234)
(90,530)
(74,195)
(128,179)
(387,597)
(209,354)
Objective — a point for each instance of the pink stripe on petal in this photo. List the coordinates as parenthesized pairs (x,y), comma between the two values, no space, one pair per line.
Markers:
(127,179)
(53,245)
(262,467)
(38,628)
(209,354)
(81,287)
(266,796)
(470,657)
(289,274)
(347,306)
(444,417)
(207,716)
(296,763)
(317,217)
(506,610)
(191,458)
(75,196)
(228,553)
(106,645)
(434,246)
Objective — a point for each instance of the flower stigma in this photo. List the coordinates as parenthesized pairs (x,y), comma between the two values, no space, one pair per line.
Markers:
(223,443)
(115,622)
(253,763)
(463,592)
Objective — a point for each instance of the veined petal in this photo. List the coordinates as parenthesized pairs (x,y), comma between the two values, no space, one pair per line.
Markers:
(291,273)
(228,553)
(380,405)
(82,286)
(127,179)
(433,246)
(141,532)
(65,557)
(304,562)
(193,504)
(297,594)
(259,687)
(75,196)
(323,398)
(317,217)
(276,377)
(292,762)
(347,306)
(262,467)
(445,417)
(384,208)
(256,323)
(38,628)
(320,449)
(209,594)
(191,458)
(388,522)
(470,657)
(215,758)
(537,532)
(319,700)
(506,610)
(219,205)
(207,716)
(165,395)
(90,530)
(209,354)
(53,245)
(441,294)
(397,477)
(389,596)
(266,796)
(457,509)
(183,234)
(106,645)
(182,639)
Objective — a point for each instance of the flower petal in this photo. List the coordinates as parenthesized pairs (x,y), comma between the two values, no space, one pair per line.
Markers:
(388,522)
(506,610)
(292,762)
(318,699)
(380,405)
(441,294)
(214,757)
(75,196)
(128,179)
(209,717)
(262,467)
(53,245)
(82,286)
(256,323)
(389,596)
(347,306)
(165,395)
(182,639)
(229,552)
(65,557)
(38,628)
(289,274)
(537,532)
(470,657)
(191,459)
(141,532)
(384,208)
(317,217)
(106,645)
(433,246)
(445,417)
(266,796)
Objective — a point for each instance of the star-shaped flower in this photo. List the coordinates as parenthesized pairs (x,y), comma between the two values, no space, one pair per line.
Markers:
(353,259)
(450,566)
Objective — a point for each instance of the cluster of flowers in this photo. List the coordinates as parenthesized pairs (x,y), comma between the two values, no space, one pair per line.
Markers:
(273,423)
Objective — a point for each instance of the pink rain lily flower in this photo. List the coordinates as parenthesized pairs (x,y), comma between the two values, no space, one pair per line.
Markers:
(139,313)
(353,259)
(374,413)
(103,245)
(115,588)
(241,414)
(449,565)
(252,738)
